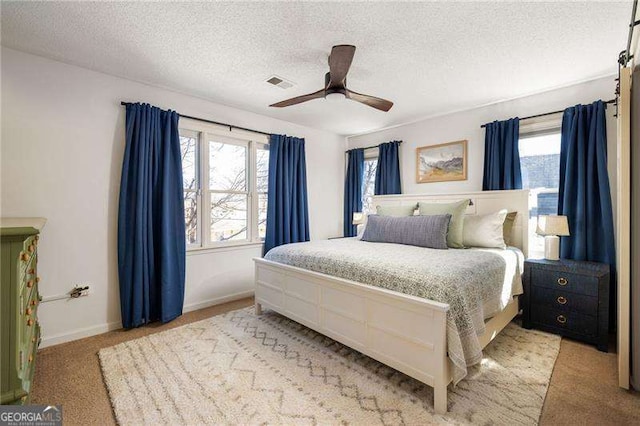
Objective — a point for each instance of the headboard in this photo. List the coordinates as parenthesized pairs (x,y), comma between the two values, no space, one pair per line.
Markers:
(483,202)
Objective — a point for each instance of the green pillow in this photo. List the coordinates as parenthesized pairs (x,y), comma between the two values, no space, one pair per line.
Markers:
(396,211)
(457,211)
(507,227)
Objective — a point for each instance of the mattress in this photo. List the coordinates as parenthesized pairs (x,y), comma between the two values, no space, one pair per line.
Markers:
(476,283)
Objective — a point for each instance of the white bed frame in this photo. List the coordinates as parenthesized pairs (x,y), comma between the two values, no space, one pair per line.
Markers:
(404,332)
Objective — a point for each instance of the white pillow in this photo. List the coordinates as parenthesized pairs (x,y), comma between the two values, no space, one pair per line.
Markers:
(484,230)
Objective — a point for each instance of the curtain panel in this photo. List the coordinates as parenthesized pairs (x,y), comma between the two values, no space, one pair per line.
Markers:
(584,194)
(353,190)
(388,170)
(502,156)
(287,204)
(151,230)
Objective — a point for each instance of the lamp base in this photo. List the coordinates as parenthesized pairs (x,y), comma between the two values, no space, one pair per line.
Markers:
(552,247)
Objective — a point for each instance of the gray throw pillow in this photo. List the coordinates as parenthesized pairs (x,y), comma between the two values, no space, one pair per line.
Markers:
(421,231)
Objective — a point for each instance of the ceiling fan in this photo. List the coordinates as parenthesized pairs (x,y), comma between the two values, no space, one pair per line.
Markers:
(335,83)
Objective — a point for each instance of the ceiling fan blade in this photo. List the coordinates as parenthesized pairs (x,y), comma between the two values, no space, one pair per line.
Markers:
(372,101)
(339,63)
(299,99)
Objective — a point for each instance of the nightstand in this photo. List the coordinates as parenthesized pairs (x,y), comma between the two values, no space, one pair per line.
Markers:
(569,298)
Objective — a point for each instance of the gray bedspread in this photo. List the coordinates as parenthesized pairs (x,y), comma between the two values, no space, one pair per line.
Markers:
(476,283)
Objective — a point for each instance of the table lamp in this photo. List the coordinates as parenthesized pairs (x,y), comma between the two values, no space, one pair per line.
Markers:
(552,227)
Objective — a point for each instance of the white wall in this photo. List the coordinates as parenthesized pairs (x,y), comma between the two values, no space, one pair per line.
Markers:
(466,125)
(62,147)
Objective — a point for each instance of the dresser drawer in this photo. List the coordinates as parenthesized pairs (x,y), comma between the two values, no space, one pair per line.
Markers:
(565,301)
(586,325)
(27,264)
(574,283)
(29,314)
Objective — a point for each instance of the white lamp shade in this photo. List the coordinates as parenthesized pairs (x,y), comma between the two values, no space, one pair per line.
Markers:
(553,225)
(358,218)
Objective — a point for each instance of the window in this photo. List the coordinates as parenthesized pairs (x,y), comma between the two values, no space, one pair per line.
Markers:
(540,165)
(225,180)
(368,184)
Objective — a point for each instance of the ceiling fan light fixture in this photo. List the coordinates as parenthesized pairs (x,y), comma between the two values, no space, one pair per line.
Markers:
(335,96)
(335,83)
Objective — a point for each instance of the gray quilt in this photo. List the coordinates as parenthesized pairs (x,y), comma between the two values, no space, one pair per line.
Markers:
(474,282)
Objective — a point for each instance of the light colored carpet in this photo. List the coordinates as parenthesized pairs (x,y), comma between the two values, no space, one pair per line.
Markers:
(242,369)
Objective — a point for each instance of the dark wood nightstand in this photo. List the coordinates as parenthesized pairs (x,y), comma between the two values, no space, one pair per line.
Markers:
(567,297)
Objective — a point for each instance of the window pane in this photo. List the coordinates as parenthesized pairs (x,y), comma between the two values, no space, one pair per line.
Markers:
(228,217)
(191,217)
(188,144)
(368,183)
(262,169)
(540,164)
(227,167)
(262,215)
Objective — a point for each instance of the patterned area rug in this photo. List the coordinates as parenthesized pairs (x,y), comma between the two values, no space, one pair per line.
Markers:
(239,368)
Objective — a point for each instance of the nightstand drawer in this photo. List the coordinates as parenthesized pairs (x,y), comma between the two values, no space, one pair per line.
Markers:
(586,325)
(574,283)
(565,301)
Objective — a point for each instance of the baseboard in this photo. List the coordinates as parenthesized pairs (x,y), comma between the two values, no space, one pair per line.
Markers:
(217,301)
(104,328)
(79,334)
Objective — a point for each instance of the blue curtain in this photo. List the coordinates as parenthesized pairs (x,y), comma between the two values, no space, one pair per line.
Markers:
(151,230)
(388,170)
(287,206)
(353,190)
(584,195)
(502,156)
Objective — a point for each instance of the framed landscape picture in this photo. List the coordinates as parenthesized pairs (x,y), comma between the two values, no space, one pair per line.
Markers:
(442,163)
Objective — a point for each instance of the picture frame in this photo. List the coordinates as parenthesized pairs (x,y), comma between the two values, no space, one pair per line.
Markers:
(444,162)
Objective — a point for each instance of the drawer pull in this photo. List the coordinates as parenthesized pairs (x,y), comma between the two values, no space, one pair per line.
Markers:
(32,248)
(562,281)
(37,237)
(33,303)
(31,271)
(30,283)
(562,300)
(30,358)
(37,279)
(24,256)
(28,311)
(29,322)
(561,319)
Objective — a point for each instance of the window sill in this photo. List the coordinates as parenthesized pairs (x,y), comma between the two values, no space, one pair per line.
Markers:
(222,248)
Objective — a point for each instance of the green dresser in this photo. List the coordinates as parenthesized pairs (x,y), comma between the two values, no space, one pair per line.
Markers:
(19,299)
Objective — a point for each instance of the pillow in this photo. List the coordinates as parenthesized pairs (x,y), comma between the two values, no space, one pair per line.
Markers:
(485,230)
(456,210)
(396,210)
(421,231)
(507,228)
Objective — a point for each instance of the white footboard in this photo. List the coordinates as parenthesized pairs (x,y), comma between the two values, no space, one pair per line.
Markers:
(404,332)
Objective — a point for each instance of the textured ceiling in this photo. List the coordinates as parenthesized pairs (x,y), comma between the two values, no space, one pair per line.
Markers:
(429,58)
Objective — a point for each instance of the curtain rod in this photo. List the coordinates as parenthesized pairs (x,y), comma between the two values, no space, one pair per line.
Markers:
(610,101)
(626,55)
(230,126)
(372,146)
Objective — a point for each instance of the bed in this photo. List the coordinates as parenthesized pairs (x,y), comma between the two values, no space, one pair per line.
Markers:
(380,299)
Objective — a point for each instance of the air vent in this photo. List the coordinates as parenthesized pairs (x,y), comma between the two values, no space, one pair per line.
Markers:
(280,82)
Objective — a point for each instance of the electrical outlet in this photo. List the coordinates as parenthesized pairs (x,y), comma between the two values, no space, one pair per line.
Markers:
(79,291)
